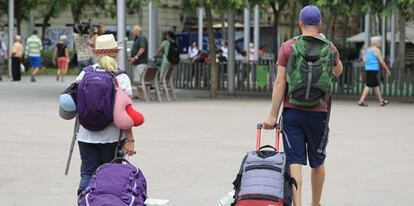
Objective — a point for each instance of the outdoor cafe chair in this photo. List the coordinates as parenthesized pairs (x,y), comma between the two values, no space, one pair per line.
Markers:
(149,79)
(166,82)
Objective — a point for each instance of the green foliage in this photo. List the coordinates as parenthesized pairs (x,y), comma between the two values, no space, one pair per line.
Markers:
(135,5)
(220,5)
(47,58)
(53,8)
(339,6)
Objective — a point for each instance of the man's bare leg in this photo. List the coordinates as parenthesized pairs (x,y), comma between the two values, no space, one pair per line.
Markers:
(34,72)
(317,178)
(296,172)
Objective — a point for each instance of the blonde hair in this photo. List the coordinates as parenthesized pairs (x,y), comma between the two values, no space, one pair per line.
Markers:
(107,61)
(376,39)
(63,37)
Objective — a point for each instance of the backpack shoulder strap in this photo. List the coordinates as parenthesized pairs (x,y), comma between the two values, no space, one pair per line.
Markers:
(116,73)
(297,37)
(119,72)
(88,69)
(295,46)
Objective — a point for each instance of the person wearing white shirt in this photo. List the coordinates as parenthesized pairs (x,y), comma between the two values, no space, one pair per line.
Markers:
(225,49)
(99,147)
(193,50)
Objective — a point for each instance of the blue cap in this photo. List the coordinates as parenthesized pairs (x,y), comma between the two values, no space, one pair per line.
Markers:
(67,103)
(66,115)
(310,15)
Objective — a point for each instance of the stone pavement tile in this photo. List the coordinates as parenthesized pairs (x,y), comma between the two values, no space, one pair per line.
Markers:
(190,150)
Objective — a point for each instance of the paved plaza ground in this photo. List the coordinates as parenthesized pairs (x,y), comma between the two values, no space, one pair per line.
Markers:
(190,150)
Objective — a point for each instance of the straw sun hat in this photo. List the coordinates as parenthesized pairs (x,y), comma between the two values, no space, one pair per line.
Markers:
(106,44)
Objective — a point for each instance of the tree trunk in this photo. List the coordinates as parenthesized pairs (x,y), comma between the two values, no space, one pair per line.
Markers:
(293,22)
(345,31)
(76,9)
(223,27)
(401,43)
(374,31)
(275,30)
(47,17)
(305,3)
(44,26)
(212,53)
(18,14)
(19,26)
(182,25)
(331,29)
(276,13)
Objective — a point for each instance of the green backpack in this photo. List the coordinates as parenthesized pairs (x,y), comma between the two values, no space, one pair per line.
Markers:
(308,75)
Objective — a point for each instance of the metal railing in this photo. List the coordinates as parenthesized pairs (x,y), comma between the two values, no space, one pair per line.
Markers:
(351,83)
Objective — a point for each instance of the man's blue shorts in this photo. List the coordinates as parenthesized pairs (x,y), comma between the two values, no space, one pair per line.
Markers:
(303,132)
(35,61)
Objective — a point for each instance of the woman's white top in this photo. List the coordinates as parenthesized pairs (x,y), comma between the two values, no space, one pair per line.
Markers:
(225,52)
(192,52)
(111,133)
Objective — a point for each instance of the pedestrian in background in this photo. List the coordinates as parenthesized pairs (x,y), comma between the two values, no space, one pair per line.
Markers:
(193,51)
(33,52)
(139,55)
(251,52)
(17,54)
(225,49)
(163,51)
(3,55)
(61,57)
(373,62)
(83,44)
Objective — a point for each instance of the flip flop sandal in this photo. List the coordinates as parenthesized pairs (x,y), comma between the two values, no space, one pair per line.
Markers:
(362,104)
(383,103)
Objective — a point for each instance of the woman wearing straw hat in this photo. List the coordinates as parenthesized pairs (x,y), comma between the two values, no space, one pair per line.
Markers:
(99,147)
(61,57)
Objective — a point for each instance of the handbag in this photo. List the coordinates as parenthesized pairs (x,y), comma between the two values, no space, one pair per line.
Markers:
(22,68)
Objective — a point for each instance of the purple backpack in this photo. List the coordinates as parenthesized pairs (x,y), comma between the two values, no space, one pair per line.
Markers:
(95,99)
(115,184)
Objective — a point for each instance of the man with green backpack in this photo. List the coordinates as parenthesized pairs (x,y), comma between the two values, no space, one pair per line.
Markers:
(305,67)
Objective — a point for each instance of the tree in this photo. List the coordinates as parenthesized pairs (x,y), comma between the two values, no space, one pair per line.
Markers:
(277,6)
(97,7)
(209,7)
(52,9)
(21,10)
(333,10)
(405,11)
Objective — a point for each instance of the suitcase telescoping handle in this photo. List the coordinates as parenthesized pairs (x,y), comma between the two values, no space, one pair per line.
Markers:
(259,137)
